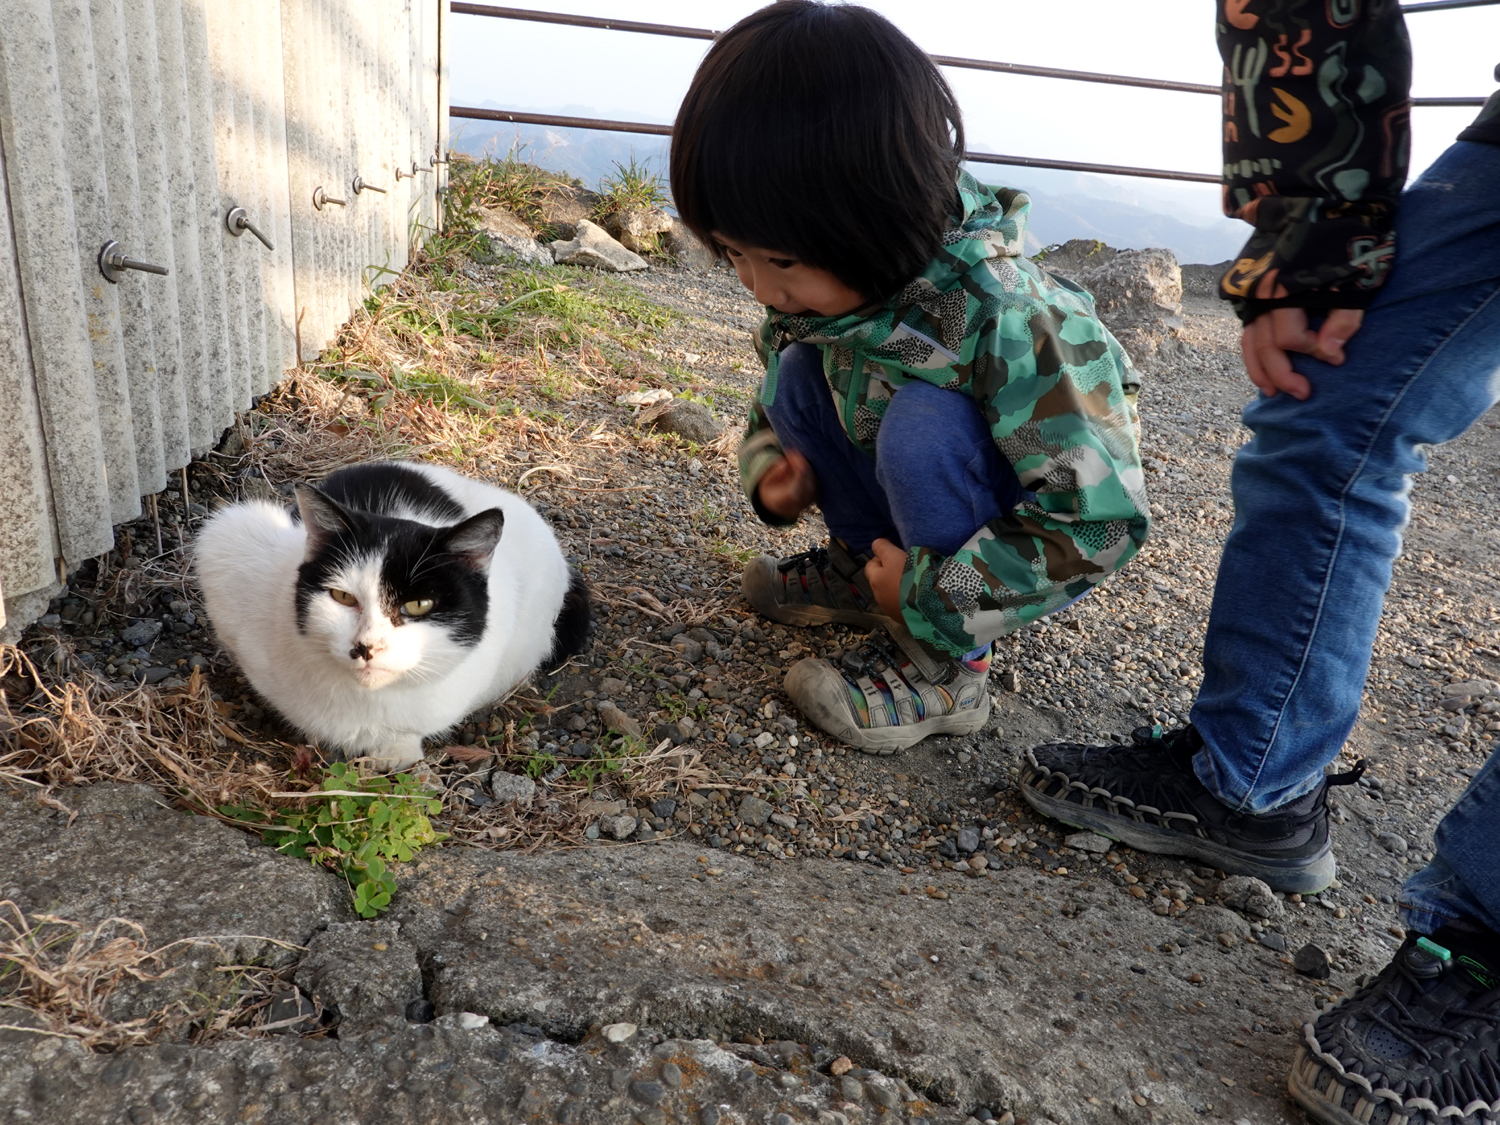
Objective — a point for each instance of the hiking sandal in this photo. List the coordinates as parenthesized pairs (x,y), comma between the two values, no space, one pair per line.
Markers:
(821,586)
(889,694)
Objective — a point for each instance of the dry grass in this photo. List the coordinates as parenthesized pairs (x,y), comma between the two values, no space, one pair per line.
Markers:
(57,976)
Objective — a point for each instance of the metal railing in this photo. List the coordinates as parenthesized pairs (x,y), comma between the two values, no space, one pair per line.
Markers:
(702,33)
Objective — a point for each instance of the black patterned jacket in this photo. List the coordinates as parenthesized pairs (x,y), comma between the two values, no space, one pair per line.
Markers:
(1316,142)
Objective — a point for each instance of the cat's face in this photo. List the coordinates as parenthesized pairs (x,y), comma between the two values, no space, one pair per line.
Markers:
(391,598)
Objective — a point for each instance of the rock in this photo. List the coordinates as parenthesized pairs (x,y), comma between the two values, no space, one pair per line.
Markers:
(610,686)
(840,1066)
(472,1021)
(365,971)
(968,840)
(639,228)
(1273,941)
(156,675)
(691,650)
(1088,842)
(510,237)
(1252,896)
(1472,689)
(292,1010)
(1313,961)
(643,398)
(1393,842)
(664,807)
(593,246)
(683,245)
(509,787)
(618,1032)
(684,417)
(1216,920)
(563,208)
(616,720)
(1010,680)
(1138,294)
(618,827)
(755,812)
(141,633)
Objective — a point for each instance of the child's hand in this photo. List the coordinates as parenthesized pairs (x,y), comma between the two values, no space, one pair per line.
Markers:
(1268,338)
(884,573)
(789,487)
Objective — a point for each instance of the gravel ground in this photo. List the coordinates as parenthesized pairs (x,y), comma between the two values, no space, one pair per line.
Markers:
(662,532)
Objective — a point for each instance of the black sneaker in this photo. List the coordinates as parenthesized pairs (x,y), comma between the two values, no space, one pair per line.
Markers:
(1419,1043)
(1147,796)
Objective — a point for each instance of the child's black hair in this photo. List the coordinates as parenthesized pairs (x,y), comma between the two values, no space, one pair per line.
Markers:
(821,131)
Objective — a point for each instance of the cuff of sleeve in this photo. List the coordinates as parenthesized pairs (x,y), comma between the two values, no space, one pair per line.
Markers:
(757,454)
(1250,308)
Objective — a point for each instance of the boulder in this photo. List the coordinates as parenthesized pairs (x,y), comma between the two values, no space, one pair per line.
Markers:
(1138,295)
(639,228)
(564,208)
(683,245)
(594,247)
(511,238)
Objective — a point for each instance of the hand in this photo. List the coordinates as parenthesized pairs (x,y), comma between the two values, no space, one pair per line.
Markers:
(1268,338)
(884,573)
(789,487)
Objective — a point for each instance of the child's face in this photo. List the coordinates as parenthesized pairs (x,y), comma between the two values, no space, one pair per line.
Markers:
(788,286)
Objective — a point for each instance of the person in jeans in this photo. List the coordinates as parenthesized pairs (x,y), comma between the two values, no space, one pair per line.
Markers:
(963,419)
(1406,355)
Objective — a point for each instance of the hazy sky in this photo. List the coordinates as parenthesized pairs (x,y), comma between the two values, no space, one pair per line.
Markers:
(642,77)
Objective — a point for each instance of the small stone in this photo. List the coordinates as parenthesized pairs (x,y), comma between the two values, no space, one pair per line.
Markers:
(648,1092)
(1252,896)
(1312,960)
(616,720)
(618,1032)
(512,787)
(1393,842)
(755,812)
(421,1011)
(968,840)
(684,417)
(618,828)
(141,633)
(689,649)
(1088,842)
(851,1089)
(764,739)
(156,675)
(1010,680)
(664,808)
(840,1066)
(1273,941)
(671,1075)
(610,687)
(472,1021)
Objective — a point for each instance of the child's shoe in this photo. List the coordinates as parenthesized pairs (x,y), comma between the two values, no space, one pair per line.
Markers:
(820,586)
(888,694)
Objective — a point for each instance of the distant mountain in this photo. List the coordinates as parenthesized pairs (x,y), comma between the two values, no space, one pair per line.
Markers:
(1125,213)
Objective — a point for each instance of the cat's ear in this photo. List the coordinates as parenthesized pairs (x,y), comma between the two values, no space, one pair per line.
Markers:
(473,541)
(322,517)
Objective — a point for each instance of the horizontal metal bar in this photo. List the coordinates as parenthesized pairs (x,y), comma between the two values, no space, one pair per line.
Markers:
(1075,75)
(1441,5)
(1080,166)
(475,114)
(582,21)
(1447,101)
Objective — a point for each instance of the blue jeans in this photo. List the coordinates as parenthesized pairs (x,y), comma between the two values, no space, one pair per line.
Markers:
(936,477)
(1321,500)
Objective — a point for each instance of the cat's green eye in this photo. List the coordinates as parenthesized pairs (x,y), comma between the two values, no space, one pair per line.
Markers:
(417,607)
(343,597)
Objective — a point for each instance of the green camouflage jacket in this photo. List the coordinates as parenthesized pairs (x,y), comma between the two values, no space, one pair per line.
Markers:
(1057,390)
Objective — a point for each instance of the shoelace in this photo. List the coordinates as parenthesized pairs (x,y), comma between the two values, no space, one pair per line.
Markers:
(817,556)
(1407,1027)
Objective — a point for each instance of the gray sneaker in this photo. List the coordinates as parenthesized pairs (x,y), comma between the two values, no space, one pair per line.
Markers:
(889,694)
(820,586)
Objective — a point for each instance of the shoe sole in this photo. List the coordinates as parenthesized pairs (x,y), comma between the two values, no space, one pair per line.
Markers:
(762,599)
(1301,876)
(883,741)
(1299,1083)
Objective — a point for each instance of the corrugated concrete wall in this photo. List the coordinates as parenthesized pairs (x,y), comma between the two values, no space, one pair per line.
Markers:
(145,123)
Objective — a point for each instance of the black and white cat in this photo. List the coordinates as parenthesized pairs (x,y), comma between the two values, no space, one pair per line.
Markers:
(396,599)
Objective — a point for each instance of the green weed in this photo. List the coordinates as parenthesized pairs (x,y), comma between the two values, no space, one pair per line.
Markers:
(632,187)
(354,826)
